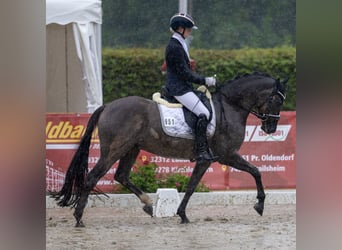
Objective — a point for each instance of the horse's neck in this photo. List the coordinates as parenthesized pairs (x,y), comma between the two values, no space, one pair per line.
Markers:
(228,110)
(238,96)
(242,95)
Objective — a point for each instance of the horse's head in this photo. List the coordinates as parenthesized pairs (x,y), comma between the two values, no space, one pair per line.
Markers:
(268,110)
(259,94)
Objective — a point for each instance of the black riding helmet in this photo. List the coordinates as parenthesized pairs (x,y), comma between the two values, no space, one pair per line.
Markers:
(182,20)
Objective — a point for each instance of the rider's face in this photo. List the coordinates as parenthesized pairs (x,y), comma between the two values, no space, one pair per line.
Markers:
(187,32)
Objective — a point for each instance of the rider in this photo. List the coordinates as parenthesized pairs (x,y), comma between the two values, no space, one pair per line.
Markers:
(180,78)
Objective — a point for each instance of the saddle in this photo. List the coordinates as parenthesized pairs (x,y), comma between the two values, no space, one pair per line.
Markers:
(190,118)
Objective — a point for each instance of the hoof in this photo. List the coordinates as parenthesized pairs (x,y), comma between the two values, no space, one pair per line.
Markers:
(259,208)
(79,224)
(185,221)
(148,209)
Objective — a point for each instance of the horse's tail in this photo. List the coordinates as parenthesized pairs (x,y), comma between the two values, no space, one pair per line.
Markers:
(76,174)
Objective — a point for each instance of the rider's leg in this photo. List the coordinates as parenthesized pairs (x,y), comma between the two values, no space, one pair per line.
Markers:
(203,152)
(193,103)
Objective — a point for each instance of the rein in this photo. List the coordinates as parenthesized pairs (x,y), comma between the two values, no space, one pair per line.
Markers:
(264,117)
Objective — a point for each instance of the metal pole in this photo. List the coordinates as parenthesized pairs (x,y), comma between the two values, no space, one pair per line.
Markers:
(183,6)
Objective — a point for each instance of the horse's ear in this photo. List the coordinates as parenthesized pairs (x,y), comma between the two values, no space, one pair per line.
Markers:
(282,84)
(285,80)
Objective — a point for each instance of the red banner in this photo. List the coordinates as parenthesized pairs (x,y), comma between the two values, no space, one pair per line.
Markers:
(274,155)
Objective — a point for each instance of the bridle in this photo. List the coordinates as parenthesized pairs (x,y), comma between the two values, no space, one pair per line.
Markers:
(265,116)
(262,116)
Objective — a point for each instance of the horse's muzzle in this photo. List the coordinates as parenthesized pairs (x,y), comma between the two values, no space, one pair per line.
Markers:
(269,126)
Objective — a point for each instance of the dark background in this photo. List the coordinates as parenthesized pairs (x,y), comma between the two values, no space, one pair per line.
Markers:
(232,24)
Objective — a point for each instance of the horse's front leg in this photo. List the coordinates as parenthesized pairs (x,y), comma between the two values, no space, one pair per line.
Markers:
(195,178)
(236,161)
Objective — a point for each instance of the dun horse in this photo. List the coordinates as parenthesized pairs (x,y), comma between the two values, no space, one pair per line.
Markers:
(127,125)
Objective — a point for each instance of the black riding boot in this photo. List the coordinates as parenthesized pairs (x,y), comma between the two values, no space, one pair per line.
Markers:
(203,153)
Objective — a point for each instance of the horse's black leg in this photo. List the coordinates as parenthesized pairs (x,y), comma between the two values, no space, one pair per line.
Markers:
(122,176)
(195,178)
(93,177)
(236,161)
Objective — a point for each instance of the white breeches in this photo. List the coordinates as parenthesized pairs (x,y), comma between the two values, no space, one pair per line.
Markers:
(193,103)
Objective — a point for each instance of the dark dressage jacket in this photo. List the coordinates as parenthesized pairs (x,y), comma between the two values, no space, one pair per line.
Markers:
(179,74)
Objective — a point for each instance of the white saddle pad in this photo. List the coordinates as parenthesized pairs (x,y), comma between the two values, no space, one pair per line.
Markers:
(174,124)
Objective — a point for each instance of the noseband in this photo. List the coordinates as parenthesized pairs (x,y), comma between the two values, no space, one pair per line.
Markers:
(265,117)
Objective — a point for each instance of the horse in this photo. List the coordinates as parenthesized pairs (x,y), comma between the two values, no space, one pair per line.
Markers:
(130,124)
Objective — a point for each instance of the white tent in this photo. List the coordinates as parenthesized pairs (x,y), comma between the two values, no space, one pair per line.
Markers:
(86,19)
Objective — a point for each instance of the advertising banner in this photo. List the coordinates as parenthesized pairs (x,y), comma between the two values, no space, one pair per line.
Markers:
(274,155)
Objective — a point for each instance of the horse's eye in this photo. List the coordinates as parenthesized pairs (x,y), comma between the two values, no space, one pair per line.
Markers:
(275,100)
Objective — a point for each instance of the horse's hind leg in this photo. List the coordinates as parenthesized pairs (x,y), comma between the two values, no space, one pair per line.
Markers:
(93,177)
(122,176)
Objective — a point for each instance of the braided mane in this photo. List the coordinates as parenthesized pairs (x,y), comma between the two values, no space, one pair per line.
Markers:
(255,73)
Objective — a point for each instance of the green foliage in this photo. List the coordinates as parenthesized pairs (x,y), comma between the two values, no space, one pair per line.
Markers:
(147,179)
(180,182)
(137,71)
(131,72)
(278,62)
(144,177)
